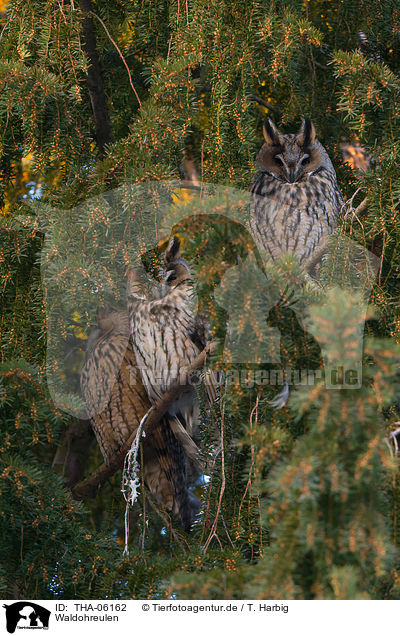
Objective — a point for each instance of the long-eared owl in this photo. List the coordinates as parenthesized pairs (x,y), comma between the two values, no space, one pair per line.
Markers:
(116,401)
(167,335)
(297,201)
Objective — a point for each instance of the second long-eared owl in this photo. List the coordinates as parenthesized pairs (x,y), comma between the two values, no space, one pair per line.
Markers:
(167,335)
(116,401)
(297,202)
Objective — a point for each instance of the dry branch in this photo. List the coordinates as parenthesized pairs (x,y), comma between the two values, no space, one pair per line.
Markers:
(361,210)
(263,102)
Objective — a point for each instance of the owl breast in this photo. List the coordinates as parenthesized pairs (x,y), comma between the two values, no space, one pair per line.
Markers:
(161,340)
(292,217)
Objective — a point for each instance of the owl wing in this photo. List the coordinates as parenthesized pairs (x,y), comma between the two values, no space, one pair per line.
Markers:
(116,403)
(161,338)
(105,353)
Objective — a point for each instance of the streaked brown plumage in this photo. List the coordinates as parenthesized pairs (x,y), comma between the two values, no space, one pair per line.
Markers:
(115,398)
(116,402)
(297,201)
(166,333)
(165,338)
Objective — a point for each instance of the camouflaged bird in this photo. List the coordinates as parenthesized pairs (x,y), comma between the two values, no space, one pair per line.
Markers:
(116,401)
(296,202)
(167,337)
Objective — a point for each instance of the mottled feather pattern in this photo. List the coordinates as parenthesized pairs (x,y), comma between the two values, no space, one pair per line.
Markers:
(114,398)
(297,201)
(117,401)
(161,334)
(161,331)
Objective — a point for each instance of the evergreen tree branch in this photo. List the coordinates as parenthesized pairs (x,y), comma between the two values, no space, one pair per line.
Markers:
(87,487)
(361,210)
(119,53)
(94,80)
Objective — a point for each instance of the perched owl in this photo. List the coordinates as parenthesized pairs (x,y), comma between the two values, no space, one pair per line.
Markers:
(167,336)
(297,202)
(116,401)
(115,398)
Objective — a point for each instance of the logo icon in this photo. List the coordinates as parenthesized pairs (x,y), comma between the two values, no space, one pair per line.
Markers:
(26,615)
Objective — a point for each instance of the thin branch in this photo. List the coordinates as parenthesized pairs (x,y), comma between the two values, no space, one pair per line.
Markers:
(316,257)
(267,105)
(394,438)
(87,488)
(213,531)
(321,66)
(120,54)
(361,210)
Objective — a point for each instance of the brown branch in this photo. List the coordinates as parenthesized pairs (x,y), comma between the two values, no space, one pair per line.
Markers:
(267,105)
(88,487)
(321,66)
(361,210)
(316,257)
(120,54)
(94,80)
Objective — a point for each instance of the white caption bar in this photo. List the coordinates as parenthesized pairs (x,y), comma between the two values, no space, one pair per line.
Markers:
(178,617)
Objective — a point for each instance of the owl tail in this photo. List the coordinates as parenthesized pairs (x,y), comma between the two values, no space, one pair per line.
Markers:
(167,451)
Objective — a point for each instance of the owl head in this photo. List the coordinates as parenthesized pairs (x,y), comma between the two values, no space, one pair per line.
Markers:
(177,268)
(292,158)
(108,321)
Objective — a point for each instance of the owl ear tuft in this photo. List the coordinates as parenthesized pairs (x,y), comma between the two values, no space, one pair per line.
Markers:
(272,135)
(173,250)
(307,134)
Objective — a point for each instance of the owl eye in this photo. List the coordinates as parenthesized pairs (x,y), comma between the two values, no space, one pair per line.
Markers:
(305,160)
(171,276)
(278,161)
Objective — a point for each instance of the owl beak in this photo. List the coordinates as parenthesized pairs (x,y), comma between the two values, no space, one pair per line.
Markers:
(292,174)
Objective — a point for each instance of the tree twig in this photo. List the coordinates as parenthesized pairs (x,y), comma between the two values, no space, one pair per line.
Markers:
(120,54)
(361,209)
(266,104)
(321,66)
